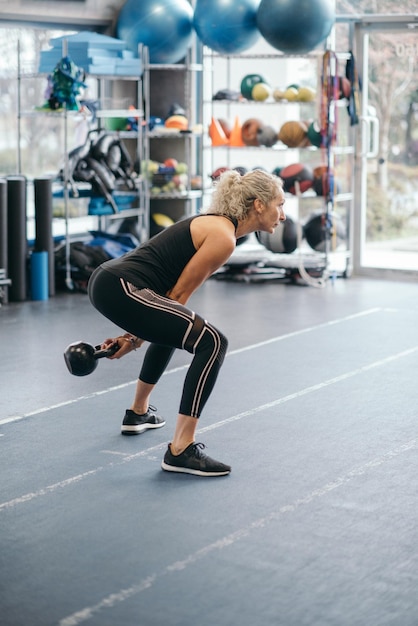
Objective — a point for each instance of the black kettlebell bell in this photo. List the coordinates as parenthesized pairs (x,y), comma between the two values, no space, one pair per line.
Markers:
(81,357)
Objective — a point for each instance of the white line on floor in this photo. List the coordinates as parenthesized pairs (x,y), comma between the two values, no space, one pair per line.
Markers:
(16,418)
(115,452)
(124,594)
(331,381)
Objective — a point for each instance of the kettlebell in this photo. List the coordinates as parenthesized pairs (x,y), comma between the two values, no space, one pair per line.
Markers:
(81,357)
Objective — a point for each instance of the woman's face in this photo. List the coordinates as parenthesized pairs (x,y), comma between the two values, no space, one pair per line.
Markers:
(272,214)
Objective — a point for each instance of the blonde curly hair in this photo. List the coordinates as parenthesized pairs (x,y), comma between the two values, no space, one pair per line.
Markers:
(234,194)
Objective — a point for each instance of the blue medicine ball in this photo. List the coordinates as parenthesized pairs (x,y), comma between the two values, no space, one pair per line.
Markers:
(295,26)
(164,26)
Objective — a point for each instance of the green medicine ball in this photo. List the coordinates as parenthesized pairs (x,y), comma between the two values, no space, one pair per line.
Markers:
(248,83)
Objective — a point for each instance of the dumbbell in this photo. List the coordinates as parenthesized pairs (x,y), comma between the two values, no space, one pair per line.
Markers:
(81,357)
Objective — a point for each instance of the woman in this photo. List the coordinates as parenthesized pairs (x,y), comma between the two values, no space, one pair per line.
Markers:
(145,292)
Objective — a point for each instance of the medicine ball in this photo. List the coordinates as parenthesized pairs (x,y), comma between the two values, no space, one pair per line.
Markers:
(261,92)
(314,134)
(217,173)
(321,228)
(267,136)
(284,240)
(248,83)
(324,180)
(293,134)
(240,169)
(250,130)
(277,171)
(306,94)
(297,173)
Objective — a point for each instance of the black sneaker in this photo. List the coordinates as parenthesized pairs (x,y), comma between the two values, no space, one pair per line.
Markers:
(134,424)
(193,461)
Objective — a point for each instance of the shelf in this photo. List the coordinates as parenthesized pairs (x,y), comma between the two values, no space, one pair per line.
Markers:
(316,54)
(100,113)
(57,114)
(192,67)
(275,148)
(339,150)
(28,75)
(166,133)
(257,103)
(122,134)
(309,196)
(281,148)
(182,195)
(109,113)
(274,56)
(123,213)
(112,77)
(84,190)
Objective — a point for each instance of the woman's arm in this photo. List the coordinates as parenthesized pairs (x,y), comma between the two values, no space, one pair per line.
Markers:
(215,249)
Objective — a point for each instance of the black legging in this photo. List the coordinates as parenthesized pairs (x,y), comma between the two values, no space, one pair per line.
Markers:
(167,325)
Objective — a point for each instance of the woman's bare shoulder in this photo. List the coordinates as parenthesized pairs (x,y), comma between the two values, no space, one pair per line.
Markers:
(211,227)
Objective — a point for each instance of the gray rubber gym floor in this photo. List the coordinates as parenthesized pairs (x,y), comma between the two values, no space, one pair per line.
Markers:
(316,409)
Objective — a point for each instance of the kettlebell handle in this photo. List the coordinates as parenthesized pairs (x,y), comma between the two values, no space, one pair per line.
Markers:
(100,353)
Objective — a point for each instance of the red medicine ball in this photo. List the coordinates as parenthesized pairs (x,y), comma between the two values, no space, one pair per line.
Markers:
(297,173)
(250,131)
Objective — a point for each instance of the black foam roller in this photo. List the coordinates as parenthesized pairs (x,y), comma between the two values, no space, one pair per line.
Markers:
(44,241)
(17,238)
(3,233)
(3,223)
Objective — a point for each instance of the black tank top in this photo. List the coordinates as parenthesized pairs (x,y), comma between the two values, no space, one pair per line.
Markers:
(158,262)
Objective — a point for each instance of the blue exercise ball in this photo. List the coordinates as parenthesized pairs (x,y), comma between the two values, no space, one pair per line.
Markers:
(295,26)
(226,26)
(164,26)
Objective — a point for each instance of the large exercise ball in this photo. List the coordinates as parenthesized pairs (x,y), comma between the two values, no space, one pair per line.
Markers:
(164,26)
(295,26)
(226,26)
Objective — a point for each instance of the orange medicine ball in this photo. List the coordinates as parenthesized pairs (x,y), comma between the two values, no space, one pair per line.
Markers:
(294,134)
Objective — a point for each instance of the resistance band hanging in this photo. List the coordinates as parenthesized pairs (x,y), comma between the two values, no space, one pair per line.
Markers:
(329,125)
(351,74)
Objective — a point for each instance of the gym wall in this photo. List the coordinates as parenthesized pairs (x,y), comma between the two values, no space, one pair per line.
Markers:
(72,13)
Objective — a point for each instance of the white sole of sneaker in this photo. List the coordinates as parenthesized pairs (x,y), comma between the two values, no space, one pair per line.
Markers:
(138,430)
(185,470)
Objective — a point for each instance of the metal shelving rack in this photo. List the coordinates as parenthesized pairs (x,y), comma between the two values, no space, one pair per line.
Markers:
(82,190)
(307,199)
(179,78)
